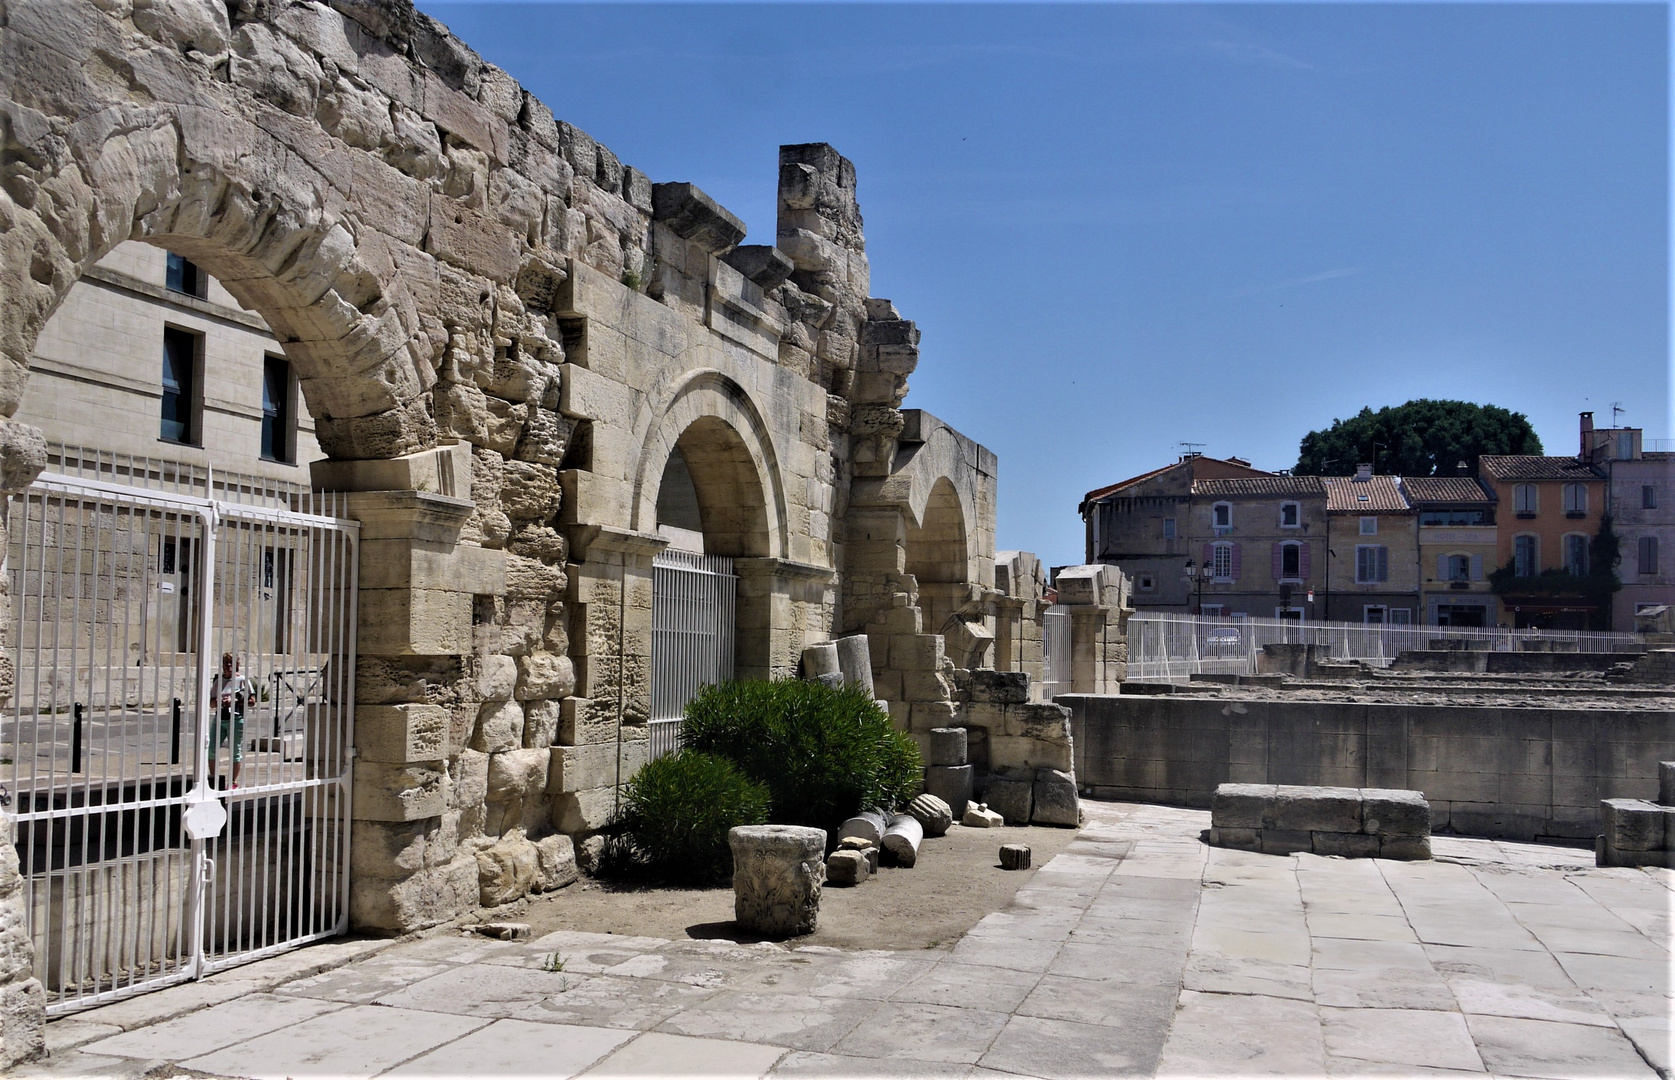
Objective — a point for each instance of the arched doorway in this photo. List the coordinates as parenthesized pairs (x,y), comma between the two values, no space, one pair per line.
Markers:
(938,557)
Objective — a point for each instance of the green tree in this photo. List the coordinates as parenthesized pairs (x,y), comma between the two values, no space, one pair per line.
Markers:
(1421,438)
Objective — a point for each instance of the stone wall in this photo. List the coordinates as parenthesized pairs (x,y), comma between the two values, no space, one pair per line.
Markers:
(1515,772)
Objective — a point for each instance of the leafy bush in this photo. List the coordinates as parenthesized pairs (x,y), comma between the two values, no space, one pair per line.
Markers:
(823,753)
(676,812)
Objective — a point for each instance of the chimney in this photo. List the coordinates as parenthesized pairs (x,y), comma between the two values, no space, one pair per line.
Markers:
(1363,471)
(1587,453)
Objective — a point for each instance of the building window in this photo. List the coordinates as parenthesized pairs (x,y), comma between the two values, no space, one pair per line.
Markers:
(1221,562)
(1575,500)
(1212,609)
(1524,554)
(1648,555)
(183,276)
(1373,614)
(1576,554)
(1401,616)
(1369,526)
(1459,568)
(180,386)
(277,422)
(1291,515)
(1648,497)
(1169,528)
(1221,515)
(1372,563)
(1146,582)
(1291,562)
(1525,501)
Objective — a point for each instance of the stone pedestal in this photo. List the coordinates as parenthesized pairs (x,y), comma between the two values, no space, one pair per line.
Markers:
(777,874)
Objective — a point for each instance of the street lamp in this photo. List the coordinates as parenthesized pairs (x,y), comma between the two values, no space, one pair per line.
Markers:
(1194,574)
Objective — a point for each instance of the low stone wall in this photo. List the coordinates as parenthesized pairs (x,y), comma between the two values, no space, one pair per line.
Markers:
(1356,823)
(1514,772)
(1507,663)
(1637,832)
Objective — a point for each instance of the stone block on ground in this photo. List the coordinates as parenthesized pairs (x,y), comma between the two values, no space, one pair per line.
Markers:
(506,871)
(948,746)
(846,867)
(1014,856)
(979,816)
(1348,845)
(1666,783)
(777,874)
(935,815)
(951,784)
(1316,809)
(1392,810)
(868,825)
(1632,824)
(1236,838)
(555,859)
(902,839)
(1011,798)
(1241,806)
(820,663)
(1055,799)
(1404,847)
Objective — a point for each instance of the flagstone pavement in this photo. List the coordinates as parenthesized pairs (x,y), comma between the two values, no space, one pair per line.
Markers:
(1137,952)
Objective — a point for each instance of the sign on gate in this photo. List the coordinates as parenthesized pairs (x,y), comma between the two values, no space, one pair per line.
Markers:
(175,818)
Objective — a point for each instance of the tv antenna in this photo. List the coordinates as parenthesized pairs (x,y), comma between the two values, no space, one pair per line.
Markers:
(1616,407)
(1192,447)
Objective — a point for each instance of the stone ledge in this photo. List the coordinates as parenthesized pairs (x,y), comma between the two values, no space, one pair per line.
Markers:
(1356,823)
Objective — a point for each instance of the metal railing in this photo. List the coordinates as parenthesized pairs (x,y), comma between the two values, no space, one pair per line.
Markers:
(1055,652)
(693,603)
(1169,647)
(124,598)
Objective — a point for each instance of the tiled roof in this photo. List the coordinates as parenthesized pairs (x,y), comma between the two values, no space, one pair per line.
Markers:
(1535,467)
(1260,485)
(1444,489)
(1111,489)
(1376,494)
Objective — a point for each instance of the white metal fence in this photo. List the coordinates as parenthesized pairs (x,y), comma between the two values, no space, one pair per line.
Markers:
(693,606)
(1167,647)
(1055,652)
(129,579)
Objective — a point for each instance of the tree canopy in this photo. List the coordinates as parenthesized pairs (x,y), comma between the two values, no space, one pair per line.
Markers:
(1420,438)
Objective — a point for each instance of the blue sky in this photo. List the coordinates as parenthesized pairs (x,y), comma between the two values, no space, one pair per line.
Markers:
(1125,227)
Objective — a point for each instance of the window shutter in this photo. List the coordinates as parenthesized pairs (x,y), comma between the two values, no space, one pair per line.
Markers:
(1442,567)
(1303,561)
(1384,564)
(1477,568)
(1236,560)
(1278,562)
(1209,555)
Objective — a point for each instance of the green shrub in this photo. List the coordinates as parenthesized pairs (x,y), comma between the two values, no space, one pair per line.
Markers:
(822,753)
(676,812)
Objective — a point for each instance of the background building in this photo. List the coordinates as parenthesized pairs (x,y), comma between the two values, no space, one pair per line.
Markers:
(1263,540)
(1548,513)
(1455,518)
(1373,572)
(1641,502)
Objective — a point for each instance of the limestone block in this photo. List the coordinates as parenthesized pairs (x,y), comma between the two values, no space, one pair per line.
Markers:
(387,792)
(582,811)
(1042,721)
(1014,752)
(506,871)
(1632,825)
(540,723)
(935,815)
(1666,783)
(951,784)
(777,874)
(820,663)
(529,491)
(1243,839)
(23,1022)
(1000,687)
(1055,799)
(517,774)
(855,661)
(764,264)
(389,849)
(401,734)
(1012,799)
(468,776)
(1392,810)
(948,746)
(412,902)
(694,216)
(868,825)
(583,720)
(1285,841)
(925,686)
(846,868)
(544,675)
(916,652)
(1014,856)
(23,454)
(499,727)
(1316,809)
(555,858)
(1241,806)
(421,622)
(979,816)
(929,715)
(599,765)
(1404,847)
(902,839)
(497,679)
(1348,845)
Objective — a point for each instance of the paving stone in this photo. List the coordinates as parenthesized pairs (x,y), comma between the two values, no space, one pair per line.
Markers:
(1520,1047)
(798,1021)
(366,981)
(1629,943)
(1242,1035)
(485,990)
(607,1001)
(997,989)
(1021,954)
(1279,948)
(1428,1038)
(658,1054)
(70,1032)
(209,1029)
(1616,973)
(79,1065)
(1382,988)
(514,1048)
(1352,955)
(1501,998)
(1239,975)
(169,1002)
(844,1067)
(1324,924)
(869,975)
(1113,1003)
(1101,962)
(1049,1049)
(924,1033)
(357,1040)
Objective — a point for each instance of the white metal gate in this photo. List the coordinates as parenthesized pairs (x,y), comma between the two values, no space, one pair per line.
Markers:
(694,598)
(1055,652)
(162,837)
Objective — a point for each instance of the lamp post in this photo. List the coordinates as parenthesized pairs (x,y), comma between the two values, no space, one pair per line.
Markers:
(1197,575)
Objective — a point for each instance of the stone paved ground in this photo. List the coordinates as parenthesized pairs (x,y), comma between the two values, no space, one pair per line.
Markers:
(1136,952)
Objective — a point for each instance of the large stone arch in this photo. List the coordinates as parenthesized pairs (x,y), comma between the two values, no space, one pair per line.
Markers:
(937,546)
(730,453)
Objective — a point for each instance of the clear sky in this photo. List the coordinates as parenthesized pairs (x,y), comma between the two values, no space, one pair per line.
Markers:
(1125,227)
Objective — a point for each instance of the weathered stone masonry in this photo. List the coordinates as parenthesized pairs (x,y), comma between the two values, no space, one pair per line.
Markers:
(507,339)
